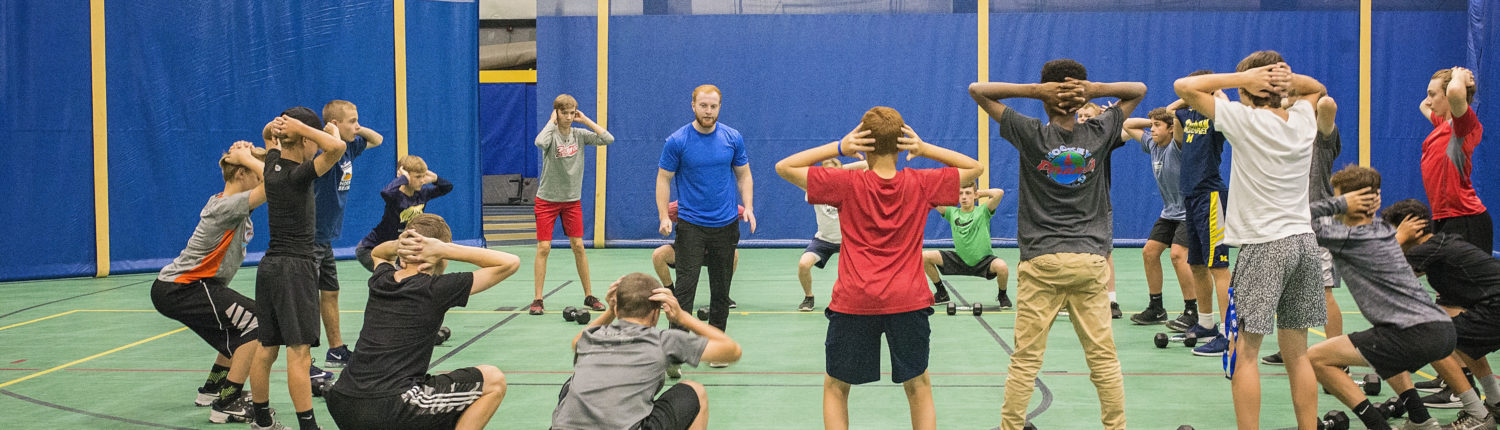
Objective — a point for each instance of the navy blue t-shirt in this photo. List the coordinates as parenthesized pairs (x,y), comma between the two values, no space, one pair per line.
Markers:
(332,192)
(1202,153)
(703,167)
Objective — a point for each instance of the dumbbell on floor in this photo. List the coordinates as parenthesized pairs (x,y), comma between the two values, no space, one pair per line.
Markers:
(582,317)
(568,313)
(1162,339)
(1334,420)
(977,309)
(1391,408)
(1371,384)
(703,314)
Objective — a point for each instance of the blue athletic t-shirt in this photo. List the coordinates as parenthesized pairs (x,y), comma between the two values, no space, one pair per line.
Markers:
(703,167)
(1202,152)
(332,190)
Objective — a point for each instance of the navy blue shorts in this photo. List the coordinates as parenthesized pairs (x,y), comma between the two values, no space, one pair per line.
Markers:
(823,249)
(1205,219)
(852,349)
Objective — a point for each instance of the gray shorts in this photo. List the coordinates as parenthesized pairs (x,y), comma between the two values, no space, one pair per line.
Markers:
(1279,281)
(1330,273)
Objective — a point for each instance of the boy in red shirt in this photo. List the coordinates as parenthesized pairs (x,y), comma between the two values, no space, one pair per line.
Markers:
(1447,159)
(881,288)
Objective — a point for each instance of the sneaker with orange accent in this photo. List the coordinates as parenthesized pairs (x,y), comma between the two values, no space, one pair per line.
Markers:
(593,303)
(536,307)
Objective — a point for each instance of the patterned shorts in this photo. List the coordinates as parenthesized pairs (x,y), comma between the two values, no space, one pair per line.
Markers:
(1280,281)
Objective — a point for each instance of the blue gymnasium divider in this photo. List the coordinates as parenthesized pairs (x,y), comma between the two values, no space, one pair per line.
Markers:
(177,102)
(509,128)
(442,78)
(793,81)
(566,64)
(46,130)
(1485,60)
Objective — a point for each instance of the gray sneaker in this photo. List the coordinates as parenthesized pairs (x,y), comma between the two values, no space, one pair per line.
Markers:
(1183,322)
(807,304)
(275,425)
(1430,424)
(1445,399)
(1470,422)
(237,411)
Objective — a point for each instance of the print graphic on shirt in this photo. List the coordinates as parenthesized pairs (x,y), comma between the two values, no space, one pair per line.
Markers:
(249,234)
(829,211)
(963,222)
(347,166)
(412,212)
(1068,166)
(1194,128)
(567,149)
(241,318)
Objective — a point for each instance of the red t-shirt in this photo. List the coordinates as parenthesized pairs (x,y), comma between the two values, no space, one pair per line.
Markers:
(880,260)
(1451,193)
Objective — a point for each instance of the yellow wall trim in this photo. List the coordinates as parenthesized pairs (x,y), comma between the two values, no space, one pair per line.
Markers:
(101,138)
(399,11)
(507,76)
(983,75)
(1364,82)
(601,116)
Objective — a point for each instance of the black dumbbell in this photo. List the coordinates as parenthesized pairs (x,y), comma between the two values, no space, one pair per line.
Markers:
(978,309)
(321,386)
(1029,426)
(568,313)
(952,308)
(1185,427)
(1334,420)
(582,317)
(1371,384)
(442,336)
(1187,339)
(703,314)
(1391,408)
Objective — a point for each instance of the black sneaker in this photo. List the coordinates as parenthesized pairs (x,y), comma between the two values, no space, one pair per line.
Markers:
(1114,311)
(807,304)
(1444,399)
(1003,301)
(337,358)
(732,304)
(1431,386)
(1273,359)
(205,397)
(237,411)
(940,298)
(1184,321)
(1150,316)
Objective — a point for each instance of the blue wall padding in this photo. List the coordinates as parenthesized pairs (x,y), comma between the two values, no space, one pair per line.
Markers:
(47,131)
(177,102)
(442,78)
(1486,62)
(786,93)
(508,129)
(1402,66)
(568,66)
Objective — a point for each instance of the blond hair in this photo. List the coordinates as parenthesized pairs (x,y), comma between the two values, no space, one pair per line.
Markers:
(564,101)
(412,164)
(338,110)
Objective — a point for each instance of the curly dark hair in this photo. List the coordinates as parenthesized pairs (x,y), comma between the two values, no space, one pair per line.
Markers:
(1060,69)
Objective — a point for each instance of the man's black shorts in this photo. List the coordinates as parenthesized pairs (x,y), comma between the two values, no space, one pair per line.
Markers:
(223,317)
(286,290)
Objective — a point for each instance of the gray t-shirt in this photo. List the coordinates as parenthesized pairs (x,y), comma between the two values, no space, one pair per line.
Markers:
(617,371)
(1384,286)
(1166,165)
(562,161)
(217,246)
(1326,149)
(1064,204)
(828,223)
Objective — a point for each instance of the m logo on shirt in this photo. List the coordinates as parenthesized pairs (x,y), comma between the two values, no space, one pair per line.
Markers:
(1193,129)
(1068,166)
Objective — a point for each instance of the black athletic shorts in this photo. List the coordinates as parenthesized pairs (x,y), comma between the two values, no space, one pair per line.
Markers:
(823,249)
(1478,328)
(437,402)
(222,317)
(1170,232)
(1392,350)
(287,294)
(955,265)
(674,409)
(328,269)
(852,348)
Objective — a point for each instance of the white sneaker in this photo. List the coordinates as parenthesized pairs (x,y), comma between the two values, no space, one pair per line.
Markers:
(1430,424)
(718,365)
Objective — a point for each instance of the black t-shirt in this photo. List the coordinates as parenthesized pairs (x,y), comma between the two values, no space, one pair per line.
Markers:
(401,318)
(290,210)
(1460,272)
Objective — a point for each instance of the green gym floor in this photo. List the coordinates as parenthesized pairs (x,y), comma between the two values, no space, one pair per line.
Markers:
(92,353)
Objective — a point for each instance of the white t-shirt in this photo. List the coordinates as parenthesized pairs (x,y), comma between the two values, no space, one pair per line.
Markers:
(1268,173)
(828,223)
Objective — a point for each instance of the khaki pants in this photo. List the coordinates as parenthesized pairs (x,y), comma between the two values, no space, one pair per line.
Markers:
(1048,284)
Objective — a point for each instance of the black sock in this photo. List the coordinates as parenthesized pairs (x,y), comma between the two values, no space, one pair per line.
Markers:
(1190,306)
(215,377)
(1155,302)
(1371,416)
(230,392)
(1470,376)
(262,413)
(1415,409)
(306,420)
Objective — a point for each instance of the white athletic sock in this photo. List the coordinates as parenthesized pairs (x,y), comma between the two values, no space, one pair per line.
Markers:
(1206,320)
(1111,296)
(1471,403)
(1491,388)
